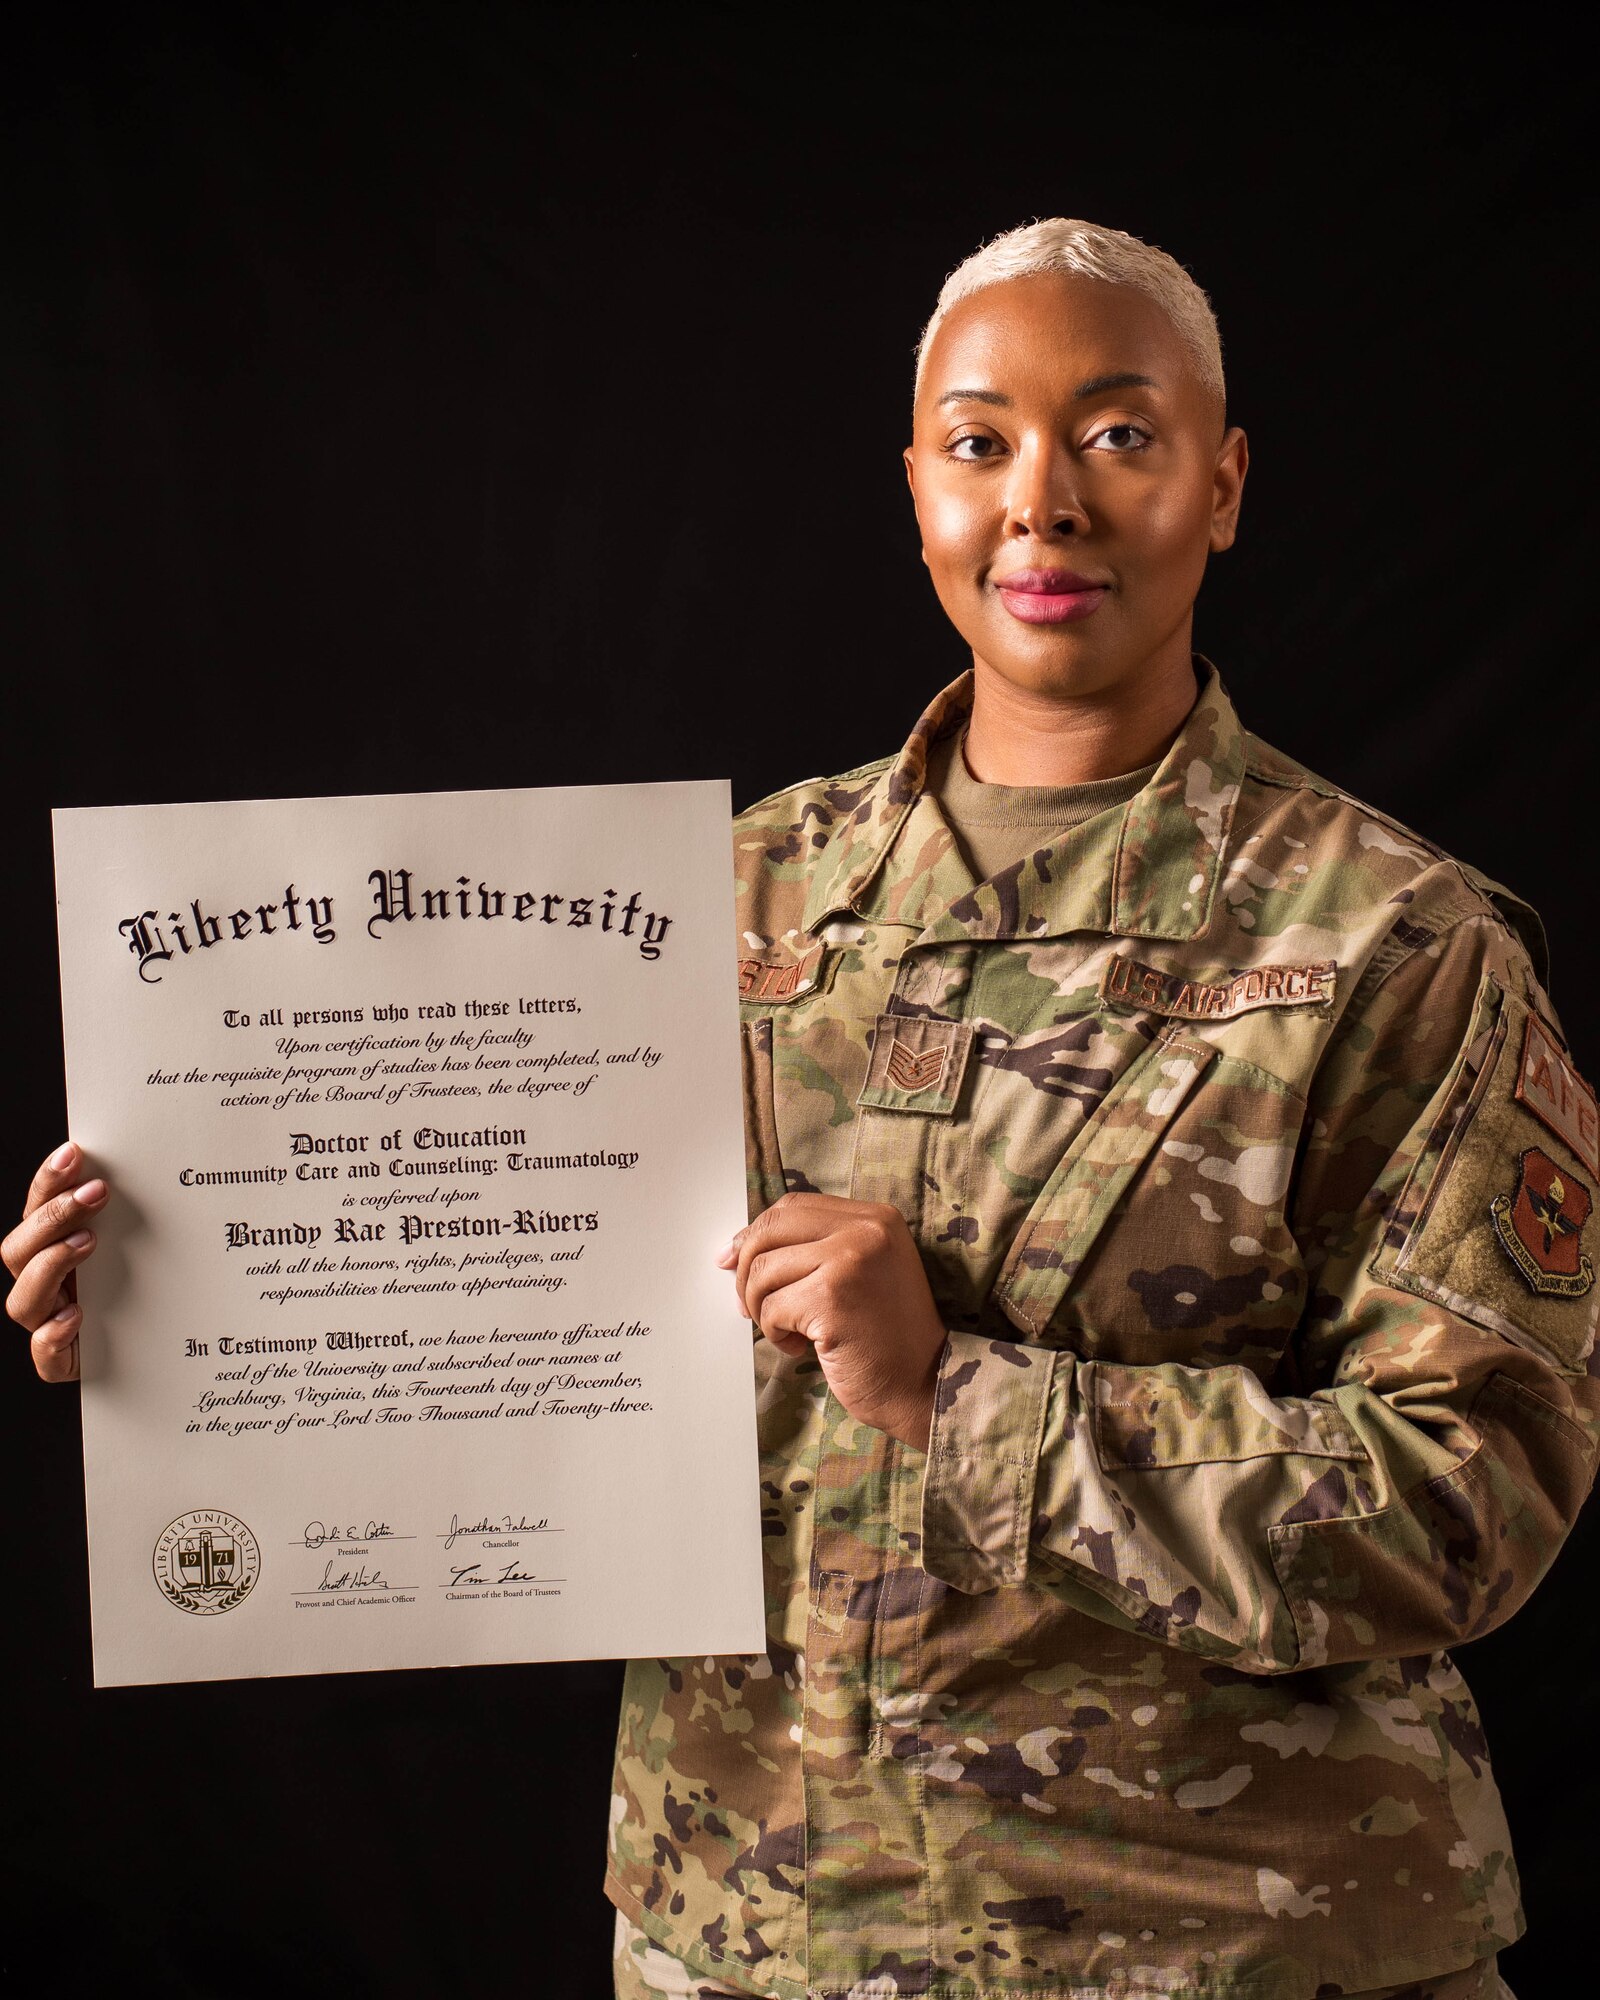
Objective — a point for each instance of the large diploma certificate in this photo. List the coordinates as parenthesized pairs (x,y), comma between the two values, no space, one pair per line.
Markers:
(404,1344)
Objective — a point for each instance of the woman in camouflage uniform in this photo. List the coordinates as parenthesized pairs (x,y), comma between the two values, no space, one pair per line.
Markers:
(1171,1207)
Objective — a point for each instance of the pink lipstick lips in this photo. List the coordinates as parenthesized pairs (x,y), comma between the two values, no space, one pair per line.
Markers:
(1049,596)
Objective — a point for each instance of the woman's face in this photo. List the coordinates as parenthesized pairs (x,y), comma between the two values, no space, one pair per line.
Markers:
(1067,510)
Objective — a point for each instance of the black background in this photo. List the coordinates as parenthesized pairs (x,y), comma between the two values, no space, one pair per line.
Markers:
(410,398)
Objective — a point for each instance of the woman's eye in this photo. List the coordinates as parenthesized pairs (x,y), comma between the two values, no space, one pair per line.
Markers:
(1121,439)
(974,448)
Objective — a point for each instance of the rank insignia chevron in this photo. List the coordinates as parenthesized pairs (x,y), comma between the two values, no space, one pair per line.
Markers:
(911,1072)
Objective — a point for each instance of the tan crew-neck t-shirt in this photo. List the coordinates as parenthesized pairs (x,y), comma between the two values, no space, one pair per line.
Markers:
(997,825)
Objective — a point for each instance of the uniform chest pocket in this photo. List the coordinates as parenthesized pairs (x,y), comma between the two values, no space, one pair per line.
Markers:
(1093,1175)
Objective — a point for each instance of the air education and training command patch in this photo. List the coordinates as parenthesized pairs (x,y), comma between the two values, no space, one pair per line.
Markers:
(1541,1226)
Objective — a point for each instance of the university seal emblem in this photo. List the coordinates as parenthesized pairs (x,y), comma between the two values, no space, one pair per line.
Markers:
(1541,1226)
(206,1562)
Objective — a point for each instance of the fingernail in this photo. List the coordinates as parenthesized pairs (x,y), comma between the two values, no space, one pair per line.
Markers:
(63,1158)
(80,1239)
(58,1321)
(727,1258)
(91,1194)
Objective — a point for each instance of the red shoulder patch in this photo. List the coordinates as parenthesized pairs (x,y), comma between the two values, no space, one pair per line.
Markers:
(1541,1225)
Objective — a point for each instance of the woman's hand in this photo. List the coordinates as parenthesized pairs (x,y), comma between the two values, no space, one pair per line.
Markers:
(844,1279)
(43,1253)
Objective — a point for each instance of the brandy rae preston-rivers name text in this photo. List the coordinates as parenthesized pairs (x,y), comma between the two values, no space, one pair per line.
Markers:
(410,1229)
(156,940)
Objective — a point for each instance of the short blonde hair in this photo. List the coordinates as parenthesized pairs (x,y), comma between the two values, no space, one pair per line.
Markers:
(1060,244)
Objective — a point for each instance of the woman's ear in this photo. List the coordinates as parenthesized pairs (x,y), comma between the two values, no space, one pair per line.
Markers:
(912,483)
(1233,462)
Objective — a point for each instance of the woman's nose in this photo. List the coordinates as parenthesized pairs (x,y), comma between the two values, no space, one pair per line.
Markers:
(1042,497)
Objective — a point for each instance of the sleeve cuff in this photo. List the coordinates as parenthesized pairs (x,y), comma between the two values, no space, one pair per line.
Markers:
(983,1455)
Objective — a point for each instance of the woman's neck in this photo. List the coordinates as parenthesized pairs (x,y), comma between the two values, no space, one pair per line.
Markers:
(1021,736)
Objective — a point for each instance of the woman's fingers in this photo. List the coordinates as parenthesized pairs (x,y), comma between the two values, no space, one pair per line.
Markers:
(770,1272)
(33,1296)
(785,1310)
(43,1253)
(58,1172)
(790,1219)
(51,1218)
(55,1344)
(793,1219)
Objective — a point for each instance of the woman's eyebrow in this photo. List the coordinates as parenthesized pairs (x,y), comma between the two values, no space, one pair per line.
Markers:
(1096,385)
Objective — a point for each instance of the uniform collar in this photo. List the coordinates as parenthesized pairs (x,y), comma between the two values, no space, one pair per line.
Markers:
(1149,869)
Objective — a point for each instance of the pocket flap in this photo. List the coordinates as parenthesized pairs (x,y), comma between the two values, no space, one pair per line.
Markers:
(1093,1174)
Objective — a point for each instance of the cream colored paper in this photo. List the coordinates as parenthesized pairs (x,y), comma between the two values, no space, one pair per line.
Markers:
(440,1370)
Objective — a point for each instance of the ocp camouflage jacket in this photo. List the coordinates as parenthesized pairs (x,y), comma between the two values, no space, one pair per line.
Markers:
(1253,1180)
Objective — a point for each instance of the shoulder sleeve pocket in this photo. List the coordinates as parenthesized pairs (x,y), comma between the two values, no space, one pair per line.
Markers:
(1495,1221)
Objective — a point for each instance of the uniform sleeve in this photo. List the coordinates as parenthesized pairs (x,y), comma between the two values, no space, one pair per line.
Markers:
(1417,1489)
